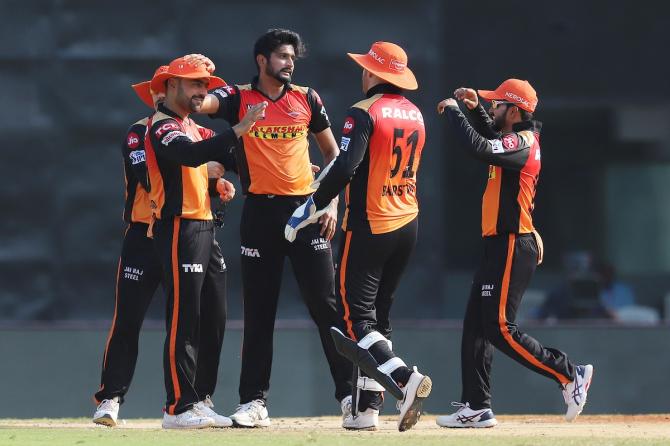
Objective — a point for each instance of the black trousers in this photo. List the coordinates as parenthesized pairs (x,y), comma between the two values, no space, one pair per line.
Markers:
(505,270)
(194,275)
(138,276)
(263,252)
(369,269)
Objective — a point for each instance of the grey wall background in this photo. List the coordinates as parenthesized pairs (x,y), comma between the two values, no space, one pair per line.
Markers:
(602,77)
(66,375)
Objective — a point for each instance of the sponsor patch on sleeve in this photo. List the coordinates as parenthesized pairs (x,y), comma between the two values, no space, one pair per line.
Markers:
(224,92)
(165,128)
(510,141)
(344,144)
(497,146)
(133,140)
(167,139)
(137,157)
(348,125)
(324,114)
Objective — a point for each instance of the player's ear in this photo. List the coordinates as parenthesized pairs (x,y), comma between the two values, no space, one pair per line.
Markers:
(261,60)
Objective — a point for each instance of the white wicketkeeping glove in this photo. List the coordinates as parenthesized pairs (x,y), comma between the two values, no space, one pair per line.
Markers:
(306,214)
(322,175)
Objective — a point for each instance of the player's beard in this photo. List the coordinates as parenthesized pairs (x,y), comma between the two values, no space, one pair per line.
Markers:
(277,75)
(194,103)
(498,122)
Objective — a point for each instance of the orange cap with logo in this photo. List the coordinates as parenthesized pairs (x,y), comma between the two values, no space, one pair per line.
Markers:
(516,91)
(143,89)
(180,68)
(389,62)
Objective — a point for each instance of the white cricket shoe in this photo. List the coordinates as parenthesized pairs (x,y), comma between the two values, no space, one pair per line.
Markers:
(574,393)
(107,413)
(251,414)
(206,407)
(416,390)
(367,420)
(466,417)
(191,419)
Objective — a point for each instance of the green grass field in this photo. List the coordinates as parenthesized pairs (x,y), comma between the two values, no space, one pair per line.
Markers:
(512,431)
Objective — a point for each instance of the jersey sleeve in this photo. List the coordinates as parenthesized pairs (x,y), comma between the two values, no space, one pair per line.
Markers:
(509,150)
(229,104)
(133,153)
(170,142)
(227,157)
(356,133)
(481,122)
(319,120)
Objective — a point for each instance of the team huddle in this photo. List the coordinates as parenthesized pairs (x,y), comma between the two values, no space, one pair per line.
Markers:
(175,193)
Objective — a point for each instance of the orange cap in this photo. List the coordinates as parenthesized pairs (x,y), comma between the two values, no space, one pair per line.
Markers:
(515,91)
(143,89)
(180,68)
(388,61)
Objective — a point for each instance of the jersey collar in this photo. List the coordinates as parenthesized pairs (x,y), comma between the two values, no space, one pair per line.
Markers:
(163,109)
(254,86)
(383,89)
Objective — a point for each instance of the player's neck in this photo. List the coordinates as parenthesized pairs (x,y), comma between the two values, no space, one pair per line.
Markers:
(270,86)
(172,105)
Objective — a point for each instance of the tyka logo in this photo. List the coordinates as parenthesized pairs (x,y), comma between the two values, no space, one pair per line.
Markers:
(192,267)
(250,252)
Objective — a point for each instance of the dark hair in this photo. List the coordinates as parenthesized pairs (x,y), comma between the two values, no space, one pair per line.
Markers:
(276,37)
(525,115)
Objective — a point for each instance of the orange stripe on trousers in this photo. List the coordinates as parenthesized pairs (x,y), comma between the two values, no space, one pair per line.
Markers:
(502,318)
(343,288)
(175,315)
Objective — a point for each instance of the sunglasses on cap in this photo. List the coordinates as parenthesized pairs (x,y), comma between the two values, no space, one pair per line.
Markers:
(495,103)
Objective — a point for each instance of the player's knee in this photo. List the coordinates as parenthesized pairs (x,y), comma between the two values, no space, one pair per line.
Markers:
(493,333)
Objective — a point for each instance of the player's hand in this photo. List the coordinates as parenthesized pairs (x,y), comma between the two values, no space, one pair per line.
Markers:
(255,113)
(200,59)
(306,214)
(328,220)
(215,170)
(446,103)
(315,169)
(226,190)
(468,96)
(540,246)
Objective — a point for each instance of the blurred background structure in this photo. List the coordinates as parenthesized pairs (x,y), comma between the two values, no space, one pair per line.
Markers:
(602,205)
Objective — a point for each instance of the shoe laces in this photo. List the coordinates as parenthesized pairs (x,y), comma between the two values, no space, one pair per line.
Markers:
(461,406)
(107,404)
(207,402)
(201,409)
(253,406)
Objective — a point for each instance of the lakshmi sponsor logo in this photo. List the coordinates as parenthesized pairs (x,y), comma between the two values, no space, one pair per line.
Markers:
(278,131)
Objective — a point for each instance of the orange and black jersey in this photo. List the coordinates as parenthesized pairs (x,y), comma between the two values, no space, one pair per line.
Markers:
(514,168)
(274,157)
(177,151)
(137,208)
(380,151)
